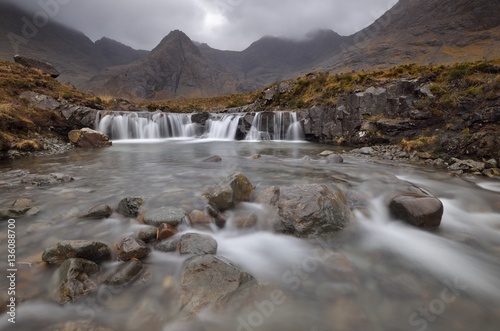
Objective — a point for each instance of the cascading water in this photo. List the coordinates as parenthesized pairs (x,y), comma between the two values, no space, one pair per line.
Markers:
(285,126)
(295,131)
(223,128)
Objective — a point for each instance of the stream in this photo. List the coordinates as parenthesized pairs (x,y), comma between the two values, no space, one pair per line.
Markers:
(393,276)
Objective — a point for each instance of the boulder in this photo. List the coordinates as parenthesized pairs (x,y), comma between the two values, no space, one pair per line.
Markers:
(97,212)
(131,248)
(231,191)
(147,234)
(167,246)
(88,138)
(45,67)
(72,280)
(213,159)
(125,274)
(42,180)
(334,159)
(210,281)
(166,231)
(307,210)
(423,211)
(130,206)
(166,215)
(197,244)
(91,250)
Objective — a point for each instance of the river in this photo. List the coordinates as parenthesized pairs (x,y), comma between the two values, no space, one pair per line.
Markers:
(396,277)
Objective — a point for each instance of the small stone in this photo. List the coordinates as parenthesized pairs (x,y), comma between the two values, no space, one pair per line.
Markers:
(491,173)
(197,244)
(167,246)
(125,274)
(418,210)
(244,219)
(147,233)
(97,212)
(491,163)
(166,231)
(213,158)
(166,215)
(255,156)
(91,250)
(130,206)
(334,159)
(326,153)
(131,248)
(231,191)
(199,217)
(366,150)
(23,203)
(72,280)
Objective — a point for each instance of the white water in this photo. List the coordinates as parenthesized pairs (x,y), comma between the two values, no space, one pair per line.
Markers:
(152,126)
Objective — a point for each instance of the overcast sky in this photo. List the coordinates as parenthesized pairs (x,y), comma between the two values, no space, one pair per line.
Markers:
(223,24)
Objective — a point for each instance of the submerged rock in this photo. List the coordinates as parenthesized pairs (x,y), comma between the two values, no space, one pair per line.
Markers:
(147,233)
(166,231)
(423,211)
(72,280)
(131,248)
(125,274)
(91,250)
(41,180)
(97,212)
(88,138)
(130,206)
(173,216)
(231,191)
(213,158)
(197,244)
(307,210)
(210,281)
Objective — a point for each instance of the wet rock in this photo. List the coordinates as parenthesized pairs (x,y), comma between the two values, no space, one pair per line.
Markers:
(131,248)
(199,217)
(147,234)
(166,215)
(97,212)
(494,172)
(422,211)
(91,250)
(243,219)
(167,246)
(307,210)
(130,206)
(255,156)
(166,231)
(197,244)
(231,191)
(125,274)
(88,138)
(491,163)
(209,280)
(213,158)
(42,180)
(366,150)
(23,203)
(466,165)
(326,153)
(45,67)
(334,159)
(21,207)
(72,280)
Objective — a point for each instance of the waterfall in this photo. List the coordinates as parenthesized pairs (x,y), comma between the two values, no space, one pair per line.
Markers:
(285,126)
(224,127)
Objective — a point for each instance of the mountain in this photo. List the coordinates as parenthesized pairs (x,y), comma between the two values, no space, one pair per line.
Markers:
(175,68)
(70,51)
(423,32)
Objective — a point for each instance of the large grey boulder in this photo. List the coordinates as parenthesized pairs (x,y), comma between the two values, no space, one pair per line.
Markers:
(231,191)
(88,138)
(45,67)
(197,244)
(307,210)
(91,250)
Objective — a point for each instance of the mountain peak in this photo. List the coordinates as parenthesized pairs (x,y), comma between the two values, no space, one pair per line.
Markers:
(176,41)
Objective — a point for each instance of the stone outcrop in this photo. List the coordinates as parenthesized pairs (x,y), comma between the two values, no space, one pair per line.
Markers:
(45,67)
(88,138)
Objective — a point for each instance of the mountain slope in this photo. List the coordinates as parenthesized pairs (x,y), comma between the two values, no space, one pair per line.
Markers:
(175,68)
(424,31)
(117,53)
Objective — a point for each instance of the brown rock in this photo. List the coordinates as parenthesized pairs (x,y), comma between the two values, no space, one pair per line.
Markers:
(88,138)
(422,211)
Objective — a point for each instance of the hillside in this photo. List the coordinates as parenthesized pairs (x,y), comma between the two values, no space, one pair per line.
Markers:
(423,32)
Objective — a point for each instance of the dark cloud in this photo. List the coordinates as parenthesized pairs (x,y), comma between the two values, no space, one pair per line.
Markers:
(223,24)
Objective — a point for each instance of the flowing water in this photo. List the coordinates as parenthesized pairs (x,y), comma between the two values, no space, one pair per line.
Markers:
(389,276)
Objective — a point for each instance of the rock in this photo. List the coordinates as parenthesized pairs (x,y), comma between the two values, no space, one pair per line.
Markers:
(200,118)
(21,207)
(166,215)
(72,280)
(167,246)
(42,180)
(91,250)
(467,165)
(366,150)
(326,153)
(255,156)
(243,219)
(308,210)
(125,274)
(197,244)
(491,163)
(88,138)
(45,67)
(209,280)
(334,159)
(231,191)
(147,233)
(41,101)
(131,248)
(130,206)
(493,172)
(78,326)
(213,158)
(97,212)
(23,203)
(199,217)
(166,231)
(423,211)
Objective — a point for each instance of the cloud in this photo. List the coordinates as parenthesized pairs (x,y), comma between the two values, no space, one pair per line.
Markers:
(223,24)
